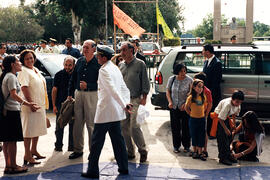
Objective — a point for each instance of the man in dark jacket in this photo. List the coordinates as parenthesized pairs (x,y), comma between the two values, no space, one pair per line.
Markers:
(213,70)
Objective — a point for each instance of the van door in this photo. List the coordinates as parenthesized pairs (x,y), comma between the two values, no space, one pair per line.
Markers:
(264,79)
(239,74)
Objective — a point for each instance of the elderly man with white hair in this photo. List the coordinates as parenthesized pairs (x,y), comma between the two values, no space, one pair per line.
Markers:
(84,82)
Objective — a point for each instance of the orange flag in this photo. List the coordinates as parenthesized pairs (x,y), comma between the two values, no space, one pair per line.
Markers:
(125,23)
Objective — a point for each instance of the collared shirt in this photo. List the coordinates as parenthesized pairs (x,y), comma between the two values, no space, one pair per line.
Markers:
(179,90)
(135,77)
(61,81)
(84,71)
(55,49)
(210,60)
(72,51)
(225,108)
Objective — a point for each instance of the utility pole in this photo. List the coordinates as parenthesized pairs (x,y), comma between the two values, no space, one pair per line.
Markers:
(106,25)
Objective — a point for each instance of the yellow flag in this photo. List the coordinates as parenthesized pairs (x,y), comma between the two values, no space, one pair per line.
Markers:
(160,20)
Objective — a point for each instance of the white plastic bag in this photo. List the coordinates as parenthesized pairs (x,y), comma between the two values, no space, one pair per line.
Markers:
(142,114)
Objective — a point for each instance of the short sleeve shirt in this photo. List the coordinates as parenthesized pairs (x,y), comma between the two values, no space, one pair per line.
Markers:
(197,108)
(225,108)
(179,90)
(61,80)
(10,82)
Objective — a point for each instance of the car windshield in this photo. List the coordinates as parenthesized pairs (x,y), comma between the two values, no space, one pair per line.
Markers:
(147,46)
(52,62)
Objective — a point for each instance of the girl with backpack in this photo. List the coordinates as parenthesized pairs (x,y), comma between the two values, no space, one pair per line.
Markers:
(10,124)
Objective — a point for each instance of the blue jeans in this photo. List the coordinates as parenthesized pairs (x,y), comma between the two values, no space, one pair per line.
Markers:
(197,131)
(118,143)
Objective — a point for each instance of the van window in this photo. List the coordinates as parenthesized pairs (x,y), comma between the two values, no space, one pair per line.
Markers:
(232,63)
(193,61)
(266,64)
(238,63)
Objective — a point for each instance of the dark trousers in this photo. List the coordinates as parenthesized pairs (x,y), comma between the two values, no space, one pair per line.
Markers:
(197,131)
(118,143)
(59,133)
(180,128)
(223,141)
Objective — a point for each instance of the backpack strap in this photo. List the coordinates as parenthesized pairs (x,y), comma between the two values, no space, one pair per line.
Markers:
(172,82)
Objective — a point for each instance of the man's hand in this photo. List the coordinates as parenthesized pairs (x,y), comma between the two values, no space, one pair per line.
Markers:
(69,98)
(33,106)
(55,110)
(128,108)
(83,85)
(228,132)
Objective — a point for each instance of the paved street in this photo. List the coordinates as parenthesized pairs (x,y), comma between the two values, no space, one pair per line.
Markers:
(162,162)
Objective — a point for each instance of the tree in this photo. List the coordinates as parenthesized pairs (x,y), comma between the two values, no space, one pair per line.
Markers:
(205,29)
(260,29)
(17,25)
(55,20)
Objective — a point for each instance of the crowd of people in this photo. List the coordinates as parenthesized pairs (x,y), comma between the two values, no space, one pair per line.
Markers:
(195,103)
(105,96)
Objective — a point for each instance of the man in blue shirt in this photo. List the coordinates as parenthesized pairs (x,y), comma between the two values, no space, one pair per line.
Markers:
(70,50)
(84,82)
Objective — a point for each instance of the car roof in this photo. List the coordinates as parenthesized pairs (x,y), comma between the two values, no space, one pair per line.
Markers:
(223,48)
(52,62)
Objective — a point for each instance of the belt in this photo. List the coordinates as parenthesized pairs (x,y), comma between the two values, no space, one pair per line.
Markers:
(87,90)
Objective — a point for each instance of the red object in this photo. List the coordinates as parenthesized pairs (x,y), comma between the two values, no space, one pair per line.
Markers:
(158,78)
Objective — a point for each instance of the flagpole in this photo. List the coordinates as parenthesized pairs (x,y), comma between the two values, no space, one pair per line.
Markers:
(114,35)
(157,25)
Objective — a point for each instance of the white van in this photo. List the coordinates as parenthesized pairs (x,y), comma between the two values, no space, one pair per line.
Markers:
(244,67)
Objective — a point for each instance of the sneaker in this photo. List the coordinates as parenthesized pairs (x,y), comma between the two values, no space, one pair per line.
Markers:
(176,150)
(195,155)
(201,157)
(233,160)
(205,153)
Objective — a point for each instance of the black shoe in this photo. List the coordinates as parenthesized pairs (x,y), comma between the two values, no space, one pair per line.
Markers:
(211,137)
(59,149)
(75,155)
(233,160)
(225,161)
(205,154)
(123,172)
(143,157)
(89,175)
(131,157)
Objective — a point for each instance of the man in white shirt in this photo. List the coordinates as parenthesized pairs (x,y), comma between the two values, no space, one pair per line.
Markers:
(53,46)
(113,102)
(43,47)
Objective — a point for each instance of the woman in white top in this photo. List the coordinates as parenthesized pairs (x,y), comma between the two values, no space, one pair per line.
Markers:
(34,90)
(11,127)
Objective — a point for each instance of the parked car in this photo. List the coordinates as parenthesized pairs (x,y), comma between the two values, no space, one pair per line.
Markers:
(150,48)
(244,67)
(49,64)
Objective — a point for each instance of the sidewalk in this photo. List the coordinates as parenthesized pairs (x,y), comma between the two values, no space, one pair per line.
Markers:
(162,162)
